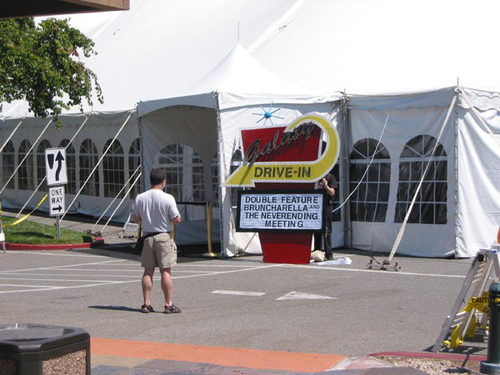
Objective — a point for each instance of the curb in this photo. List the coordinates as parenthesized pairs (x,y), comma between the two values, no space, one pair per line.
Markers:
(98,241)
(449,356)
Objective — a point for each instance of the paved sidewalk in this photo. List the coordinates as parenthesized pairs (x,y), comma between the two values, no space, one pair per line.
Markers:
(120,357)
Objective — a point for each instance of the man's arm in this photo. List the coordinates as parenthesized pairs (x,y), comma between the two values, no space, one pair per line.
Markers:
(137,218)
(177,219)
(329,189)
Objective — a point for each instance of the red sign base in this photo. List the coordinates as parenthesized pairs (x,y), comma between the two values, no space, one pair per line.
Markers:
(292,248)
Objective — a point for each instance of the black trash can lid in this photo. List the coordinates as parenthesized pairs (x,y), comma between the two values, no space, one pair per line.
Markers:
(28,337)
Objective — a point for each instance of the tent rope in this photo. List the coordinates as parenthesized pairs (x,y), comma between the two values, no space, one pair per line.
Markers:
(117,207)
(96,166)
(405,221)
(367,168)
(115,198)
(11,134)
(45,177)
(26,156)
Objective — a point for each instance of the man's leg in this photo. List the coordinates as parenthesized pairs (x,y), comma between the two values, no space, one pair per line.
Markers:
(166,285)
(328,235)
(147,285)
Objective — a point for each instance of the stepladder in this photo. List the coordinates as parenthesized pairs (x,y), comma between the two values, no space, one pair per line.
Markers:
(470,311)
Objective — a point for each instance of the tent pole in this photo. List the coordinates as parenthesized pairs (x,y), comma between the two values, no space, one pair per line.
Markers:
(347,138)
(455,150)
(221,161)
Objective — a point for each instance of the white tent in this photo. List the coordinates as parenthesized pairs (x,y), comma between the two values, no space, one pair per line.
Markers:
(169,57)
(206,123)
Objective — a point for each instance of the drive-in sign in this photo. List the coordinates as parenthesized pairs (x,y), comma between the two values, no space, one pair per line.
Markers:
(56,200)
(55,166)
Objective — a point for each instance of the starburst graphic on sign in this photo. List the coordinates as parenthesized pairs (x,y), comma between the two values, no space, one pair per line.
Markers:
(268,114)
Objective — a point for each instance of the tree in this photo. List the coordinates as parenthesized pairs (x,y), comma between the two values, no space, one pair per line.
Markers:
(40,64)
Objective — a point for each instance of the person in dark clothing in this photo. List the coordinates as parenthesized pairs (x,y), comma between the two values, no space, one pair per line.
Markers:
(323,241)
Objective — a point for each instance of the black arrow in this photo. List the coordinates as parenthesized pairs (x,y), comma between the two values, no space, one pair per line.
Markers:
(59,159)
(59,208)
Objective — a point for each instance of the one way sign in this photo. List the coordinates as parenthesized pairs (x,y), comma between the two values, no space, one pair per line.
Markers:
(55,165)
(56,202)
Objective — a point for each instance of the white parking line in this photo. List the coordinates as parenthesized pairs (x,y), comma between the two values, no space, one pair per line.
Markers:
(239,293)
(399,273)
(58,267)
(45,253)
(63,280)
(74,267)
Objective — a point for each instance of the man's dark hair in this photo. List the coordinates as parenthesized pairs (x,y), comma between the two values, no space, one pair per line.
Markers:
(157,176)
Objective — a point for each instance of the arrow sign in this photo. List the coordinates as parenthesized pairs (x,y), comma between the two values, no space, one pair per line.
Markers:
(60,160)
(56,200)
(55,166)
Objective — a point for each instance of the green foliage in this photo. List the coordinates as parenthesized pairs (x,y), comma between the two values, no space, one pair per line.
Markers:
(28,232)
(40,64)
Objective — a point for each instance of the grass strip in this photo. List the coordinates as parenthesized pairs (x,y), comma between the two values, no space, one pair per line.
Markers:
(29,232)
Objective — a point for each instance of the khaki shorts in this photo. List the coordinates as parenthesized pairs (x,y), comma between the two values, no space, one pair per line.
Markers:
(159,251)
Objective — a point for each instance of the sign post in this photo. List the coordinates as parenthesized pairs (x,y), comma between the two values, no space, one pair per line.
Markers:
(56,204)
(55,166)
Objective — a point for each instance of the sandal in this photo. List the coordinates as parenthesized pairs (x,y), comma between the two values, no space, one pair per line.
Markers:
(146,309)
(172,309)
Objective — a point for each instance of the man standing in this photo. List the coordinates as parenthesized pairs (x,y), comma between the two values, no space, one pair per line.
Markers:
(329,184)
(156,211)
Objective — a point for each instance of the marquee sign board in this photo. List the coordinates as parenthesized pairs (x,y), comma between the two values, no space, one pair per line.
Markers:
(257,169)
(294,210)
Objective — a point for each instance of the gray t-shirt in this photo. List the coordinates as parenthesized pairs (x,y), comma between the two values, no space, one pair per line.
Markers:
(157,209)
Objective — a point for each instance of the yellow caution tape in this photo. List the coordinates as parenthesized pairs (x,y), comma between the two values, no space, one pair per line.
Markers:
(26,216)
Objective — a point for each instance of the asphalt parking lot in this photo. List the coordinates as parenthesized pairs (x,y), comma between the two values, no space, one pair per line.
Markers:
(239,303)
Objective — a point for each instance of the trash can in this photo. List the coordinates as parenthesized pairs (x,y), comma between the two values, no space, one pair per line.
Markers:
(36,349)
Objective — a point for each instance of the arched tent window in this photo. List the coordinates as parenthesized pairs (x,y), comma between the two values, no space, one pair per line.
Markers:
(134,160)
(113,169)
(25,173)
(236,161)
(215,181)
(184,169)
(88,159)
(430,206)
(369,202)
(8,164)
(40,163)
(70,166)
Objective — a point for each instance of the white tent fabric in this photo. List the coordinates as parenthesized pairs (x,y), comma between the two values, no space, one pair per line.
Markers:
(171,57)
(105,125)
(478,179)
(473,154)
(408,116)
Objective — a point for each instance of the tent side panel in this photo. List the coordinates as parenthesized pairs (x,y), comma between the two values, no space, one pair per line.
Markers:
(478,212)
(404,150)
